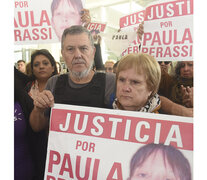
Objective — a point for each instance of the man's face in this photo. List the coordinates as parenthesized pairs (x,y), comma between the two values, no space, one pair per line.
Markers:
(21,67)
(65,15)
(78,53)
(109,67)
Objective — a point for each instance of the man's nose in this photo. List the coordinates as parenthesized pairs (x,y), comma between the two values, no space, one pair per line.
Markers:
(77,53)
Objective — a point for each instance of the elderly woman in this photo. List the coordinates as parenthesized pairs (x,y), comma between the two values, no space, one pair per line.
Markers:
(138,78)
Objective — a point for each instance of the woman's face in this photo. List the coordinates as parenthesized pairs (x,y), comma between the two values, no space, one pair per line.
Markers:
(164,65)
(132,91)
(186,70)
(42,67)
(65,15)
(155,167)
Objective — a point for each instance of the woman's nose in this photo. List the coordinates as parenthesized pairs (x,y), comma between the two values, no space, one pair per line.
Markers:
(126,87)
(41,65)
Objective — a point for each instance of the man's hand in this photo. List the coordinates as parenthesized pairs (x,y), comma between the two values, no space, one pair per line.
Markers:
(38,121)
(44,100)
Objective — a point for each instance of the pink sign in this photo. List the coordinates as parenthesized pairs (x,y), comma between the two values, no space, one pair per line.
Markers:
(168,30)
(96,27)
(132,19)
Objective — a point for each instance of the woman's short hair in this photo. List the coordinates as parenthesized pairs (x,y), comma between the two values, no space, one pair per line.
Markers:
(175,158)
(142,63)
(47,54)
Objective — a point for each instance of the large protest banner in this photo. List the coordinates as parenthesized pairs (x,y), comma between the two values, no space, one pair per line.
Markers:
(37,21)
(168,30)
(130,23)
(95,143)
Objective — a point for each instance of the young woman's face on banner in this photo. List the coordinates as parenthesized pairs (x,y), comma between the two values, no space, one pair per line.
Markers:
(155,167)
(65,15)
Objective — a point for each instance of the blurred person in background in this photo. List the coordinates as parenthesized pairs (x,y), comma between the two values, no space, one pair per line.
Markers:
(183,83)
(165,65)
(21,65)
(167,81)
(43,66)
(109,66)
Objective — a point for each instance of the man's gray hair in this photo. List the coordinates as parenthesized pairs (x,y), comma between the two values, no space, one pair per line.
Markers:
(74,30)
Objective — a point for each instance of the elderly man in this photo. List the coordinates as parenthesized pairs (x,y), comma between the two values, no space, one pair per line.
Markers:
(81,86)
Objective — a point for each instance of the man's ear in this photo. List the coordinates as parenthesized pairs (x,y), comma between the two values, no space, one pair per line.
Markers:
(62,54)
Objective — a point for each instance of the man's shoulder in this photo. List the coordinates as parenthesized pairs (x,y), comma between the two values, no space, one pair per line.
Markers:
(110,77)
(52,81)
(53,78)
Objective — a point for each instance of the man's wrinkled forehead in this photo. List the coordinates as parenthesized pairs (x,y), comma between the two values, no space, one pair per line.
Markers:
(77,39)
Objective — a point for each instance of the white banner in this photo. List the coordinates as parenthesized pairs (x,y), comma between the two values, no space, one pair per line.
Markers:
(168,30)
(118,42)
(96,143)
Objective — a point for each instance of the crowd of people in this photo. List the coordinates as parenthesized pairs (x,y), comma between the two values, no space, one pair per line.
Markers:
(137,82)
